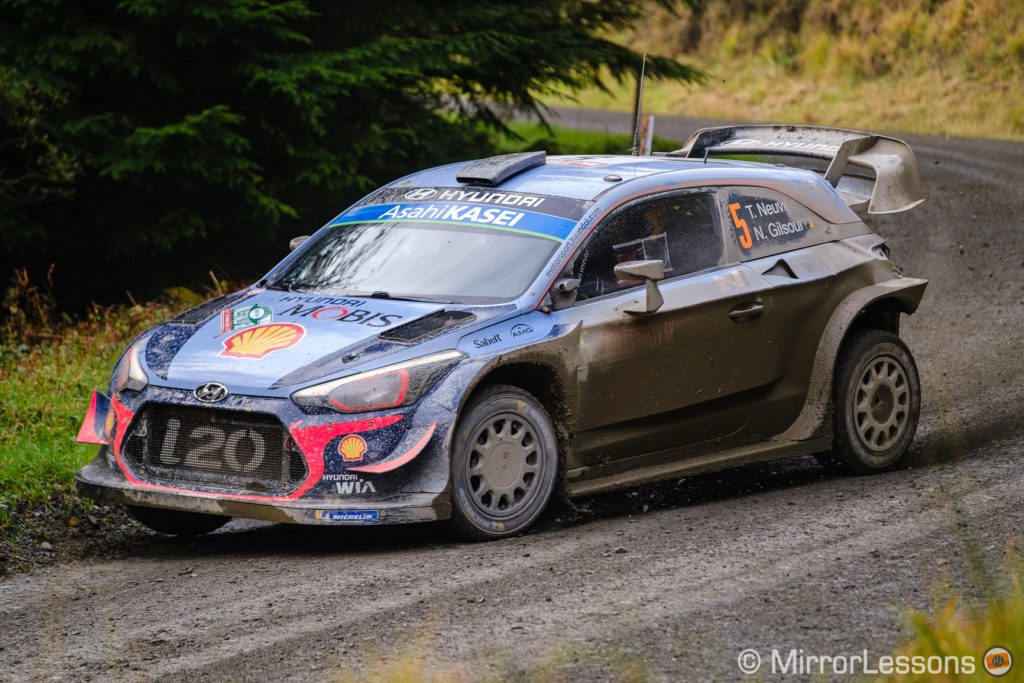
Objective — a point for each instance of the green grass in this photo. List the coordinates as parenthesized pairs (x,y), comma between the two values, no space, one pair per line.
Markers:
(957,631)
(559,140)
(44,393)
(941,67)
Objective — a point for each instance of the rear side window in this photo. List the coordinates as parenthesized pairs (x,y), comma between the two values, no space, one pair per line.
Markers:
(681,230)
(764,222)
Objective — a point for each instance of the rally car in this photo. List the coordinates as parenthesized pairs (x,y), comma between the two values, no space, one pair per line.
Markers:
(468,341)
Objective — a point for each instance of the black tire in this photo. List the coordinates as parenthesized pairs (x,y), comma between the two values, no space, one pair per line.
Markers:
(877,403)
(504,463)
(177,522)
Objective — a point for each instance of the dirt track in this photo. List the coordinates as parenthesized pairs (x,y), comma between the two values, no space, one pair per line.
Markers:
(673,580)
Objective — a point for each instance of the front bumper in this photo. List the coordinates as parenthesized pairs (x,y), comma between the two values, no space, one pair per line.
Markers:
(399,475)
(99,482)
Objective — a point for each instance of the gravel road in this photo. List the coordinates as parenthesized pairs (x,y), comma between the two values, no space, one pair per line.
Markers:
(669,581)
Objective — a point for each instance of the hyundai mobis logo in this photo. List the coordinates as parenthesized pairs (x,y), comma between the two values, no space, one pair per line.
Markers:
(211,392)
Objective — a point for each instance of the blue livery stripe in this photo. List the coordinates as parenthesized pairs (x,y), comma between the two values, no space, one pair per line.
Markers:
(498,218)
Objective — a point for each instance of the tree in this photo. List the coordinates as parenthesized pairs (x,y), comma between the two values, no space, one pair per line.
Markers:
(169,136)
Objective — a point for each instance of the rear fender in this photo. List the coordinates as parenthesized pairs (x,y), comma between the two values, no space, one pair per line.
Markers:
(815,419)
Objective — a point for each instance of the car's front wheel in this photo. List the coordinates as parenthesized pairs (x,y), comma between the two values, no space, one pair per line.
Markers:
(177,522)
(877,401)
(504,463)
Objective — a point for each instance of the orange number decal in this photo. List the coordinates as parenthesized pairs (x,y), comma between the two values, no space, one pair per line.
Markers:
(741,224)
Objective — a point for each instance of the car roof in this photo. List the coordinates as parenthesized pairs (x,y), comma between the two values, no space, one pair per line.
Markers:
(584,177)
(575,176)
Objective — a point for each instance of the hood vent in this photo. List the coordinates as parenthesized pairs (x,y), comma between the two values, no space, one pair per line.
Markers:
(494,171)
(427,327)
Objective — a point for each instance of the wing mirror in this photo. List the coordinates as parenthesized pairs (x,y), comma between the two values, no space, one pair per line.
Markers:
(650,272)
(563,293)
(296,241)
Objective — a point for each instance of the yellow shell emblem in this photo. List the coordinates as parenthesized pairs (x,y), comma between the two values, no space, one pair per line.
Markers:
(352,447)
(257,342)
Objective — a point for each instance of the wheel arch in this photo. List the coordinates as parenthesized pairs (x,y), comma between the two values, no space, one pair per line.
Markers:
(547,371)
(879,305)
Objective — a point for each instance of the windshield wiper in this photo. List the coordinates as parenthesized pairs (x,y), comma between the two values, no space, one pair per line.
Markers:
(380,294)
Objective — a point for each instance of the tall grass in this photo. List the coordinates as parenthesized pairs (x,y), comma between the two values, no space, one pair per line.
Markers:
(958,631)
(932,66)
(49,366)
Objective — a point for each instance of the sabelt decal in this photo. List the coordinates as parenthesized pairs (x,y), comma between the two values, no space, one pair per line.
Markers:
(351,516)
(506,335)
(259,341)
(484,342)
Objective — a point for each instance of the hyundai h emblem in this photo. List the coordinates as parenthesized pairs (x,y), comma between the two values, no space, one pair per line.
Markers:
(211,392)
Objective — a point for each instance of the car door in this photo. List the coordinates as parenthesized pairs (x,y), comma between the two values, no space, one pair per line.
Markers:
(687,373)
(780,239)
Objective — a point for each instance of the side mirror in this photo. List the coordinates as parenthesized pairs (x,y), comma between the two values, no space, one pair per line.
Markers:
(563,293)
(650,272)
(296,241)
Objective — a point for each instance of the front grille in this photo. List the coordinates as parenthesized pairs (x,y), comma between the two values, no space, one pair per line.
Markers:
(213,447)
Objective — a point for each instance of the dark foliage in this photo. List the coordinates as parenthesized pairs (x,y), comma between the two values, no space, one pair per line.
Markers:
(146,141)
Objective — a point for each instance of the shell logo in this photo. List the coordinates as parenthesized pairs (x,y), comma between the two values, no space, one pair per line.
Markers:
(257,342)
(352,447)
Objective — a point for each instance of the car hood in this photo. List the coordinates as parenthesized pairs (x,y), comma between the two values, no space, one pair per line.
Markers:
(251,342)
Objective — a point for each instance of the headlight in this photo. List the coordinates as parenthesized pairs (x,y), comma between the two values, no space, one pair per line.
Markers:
(389,387)
(129,373)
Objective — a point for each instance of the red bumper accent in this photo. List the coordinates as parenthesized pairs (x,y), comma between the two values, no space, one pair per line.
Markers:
(395,463)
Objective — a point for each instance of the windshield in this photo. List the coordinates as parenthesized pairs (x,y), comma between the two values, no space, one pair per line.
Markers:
(415,260)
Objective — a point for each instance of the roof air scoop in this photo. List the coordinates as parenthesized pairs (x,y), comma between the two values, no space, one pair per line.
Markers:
(496,170)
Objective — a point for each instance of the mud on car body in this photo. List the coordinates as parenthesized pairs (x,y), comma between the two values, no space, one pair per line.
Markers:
(466,340)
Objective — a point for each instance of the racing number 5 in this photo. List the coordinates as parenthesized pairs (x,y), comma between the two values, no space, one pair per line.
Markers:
(741,224)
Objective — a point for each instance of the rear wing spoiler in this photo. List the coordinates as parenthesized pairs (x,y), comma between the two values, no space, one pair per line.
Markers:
(869,171)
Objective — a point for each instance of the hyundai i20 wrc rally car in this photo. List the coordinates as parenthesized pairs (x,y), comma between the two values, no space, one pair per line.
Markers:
(466,341)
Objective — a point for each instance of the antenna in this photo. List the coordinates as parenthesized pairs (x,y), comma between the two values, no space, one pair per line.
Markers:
(635,151)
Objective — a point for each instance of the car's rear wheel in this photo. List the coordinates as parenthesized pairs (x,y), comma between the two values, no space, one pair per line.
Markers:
(177,522)
(504,463)
(877,402)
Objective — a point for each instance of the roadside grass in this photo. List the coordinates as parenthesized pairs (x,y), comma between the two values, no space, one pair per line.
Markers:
(559,140)
(49,368)
(957,631)
(941,67)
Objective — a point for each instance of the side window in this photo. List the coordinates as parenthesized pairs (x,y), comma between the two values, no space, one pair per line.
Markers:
(681,230)
(764,222)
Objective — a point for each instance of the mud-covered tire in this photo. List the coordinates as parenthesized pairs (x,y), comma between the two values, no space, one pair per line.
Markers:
(177,522)
(504,463)
(877,402)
